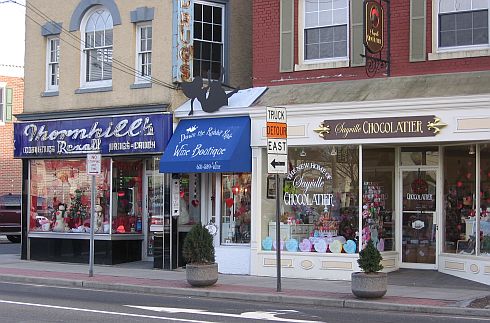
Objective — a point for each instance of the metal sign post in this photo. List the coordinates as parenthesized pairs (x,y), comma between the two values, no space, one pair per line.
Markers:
(93,169)
(277,163)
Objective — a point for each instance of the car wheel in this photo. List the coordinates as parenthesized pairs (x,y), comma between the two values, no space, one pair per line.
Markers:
(14,239)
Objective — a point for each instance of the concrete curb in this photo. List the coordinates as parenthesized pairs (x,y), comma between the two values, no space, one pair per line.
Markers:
(258,297)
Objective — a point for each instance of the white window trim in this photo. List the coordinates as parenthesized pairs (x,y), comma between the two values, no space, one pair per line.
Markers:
(3,107)
(453,52)
(49,87)
(223,27)
(314,64)
(138,79)
(83,64)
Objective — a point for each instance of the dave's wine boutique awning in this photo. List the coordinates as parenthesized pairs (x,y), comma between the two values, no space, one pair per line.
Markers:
(220,145)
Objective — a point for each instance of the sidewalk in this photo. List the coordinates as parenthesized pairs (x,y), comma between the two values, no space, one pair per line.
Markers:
(409,290)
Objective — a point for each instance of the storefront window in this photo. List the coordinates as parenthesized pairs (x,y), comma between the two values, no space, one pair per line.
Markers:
(235,208)
(190,200)
(485,200)
(127,195)
(378,174)
(319,201)
(60,196)
(459,193)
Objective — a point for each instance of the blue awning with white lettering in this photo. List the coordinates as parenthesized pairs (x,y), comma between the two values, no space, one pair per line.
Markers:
(219,145)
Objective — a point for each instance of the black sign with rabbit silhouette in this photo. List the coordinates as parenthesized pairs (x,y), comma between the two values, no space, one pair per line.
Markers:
(211,97)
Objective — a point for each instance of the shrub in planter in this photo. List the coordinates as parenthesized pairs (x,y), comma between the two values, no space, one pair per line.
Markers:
(198,250)
(370,283)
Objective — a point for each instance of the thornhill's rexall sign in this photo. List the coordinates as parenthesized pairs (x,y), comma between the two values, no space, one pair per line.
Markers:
(109,135)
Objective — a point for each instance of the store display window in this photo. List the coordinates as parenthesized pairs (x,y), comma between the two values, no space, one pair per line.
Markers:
(127,195)
(60,192)
(190,199)
(459,194)
(485,200)
(319,201)
(235,209)
(463,214)
(378,174)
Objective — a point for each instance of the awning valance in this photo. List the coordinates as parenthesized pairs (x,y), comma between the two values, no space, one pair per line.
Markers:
(219,145)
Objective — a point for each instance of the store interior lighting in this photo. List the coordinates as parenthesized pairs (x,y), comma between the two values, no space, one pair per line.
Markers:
(472,150)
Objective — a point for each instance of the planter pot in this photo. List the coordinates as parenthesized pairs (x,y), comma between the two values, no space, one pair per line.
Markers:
(371,285)
(200,275)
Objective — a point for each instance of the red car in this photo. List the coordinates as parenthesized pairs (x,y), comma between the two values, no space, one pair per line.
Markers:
(10,214)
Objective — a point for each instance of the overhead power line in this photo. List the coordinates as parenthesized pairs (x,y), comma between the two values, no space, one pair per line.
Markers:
(116,64)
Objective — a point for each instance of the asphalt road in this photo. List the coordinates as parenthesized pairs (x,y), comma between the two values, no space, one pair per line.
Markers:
(38,303)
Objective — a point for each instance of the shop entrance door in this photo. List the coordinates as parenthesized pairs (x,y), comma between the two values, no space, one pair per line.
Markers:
(419,221)
(161,227)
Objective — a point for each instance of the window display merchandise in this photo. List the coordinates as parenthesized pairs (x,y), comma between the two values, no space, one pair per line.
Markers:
(319,201)
(60,195)
(235,211)
(464,208)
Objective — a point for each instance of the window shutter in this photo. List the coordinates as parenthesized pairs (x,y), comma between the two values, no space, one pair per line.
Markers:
(357,33)
(417,30)
(287,36)
(8,106)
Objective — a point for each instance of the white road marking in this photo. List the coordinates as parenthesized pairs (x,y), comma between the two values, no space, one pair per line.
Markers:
(259,315)
(103,312)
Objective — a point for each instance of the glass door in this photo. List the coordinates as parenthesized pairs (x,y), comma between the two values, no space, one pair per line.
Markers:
(419,222)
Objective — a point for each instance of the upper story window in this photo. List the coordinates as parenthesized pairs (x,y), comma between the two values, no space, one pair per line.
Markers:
(463,24)
(325,28)
(2,102)
(53,55)
(208,39)
(97,31)
(6,98)
(144,49)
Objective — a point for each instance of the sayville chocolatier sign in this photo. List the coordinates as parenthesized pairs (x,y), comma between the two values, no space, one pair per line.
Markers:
(398,127)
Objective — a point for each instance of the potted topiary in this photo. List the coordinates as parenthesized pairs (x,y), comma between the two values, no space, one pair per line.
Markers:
(370,283)
(198,251)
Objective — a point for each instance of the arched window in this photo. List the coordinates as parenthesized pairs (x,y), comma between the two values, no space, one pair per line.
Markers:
(97,36)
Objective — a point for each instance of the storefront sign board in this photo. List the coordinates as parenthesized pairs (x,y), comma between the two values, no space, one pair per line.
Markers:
(118,135)
(94,164)
(211,145)
(398,127)
(373,26)
(182,40)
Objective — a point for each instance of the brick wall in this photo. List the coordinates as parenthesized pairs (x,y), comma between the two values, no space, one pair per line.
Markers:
(10,168)
(266,50)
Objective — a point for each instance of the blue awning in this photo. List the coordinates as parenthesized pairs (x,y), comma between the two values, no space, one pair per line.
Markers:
(219,145)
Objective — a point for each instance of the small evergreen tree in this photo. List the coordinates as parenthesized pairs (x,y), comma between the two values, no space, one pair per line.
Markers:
(370,259)
(198,245)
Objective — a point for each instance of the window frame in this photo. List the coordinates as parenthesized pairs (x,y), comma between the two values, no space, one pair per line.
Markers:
(3,103)
(49,86)
(223,35)
(138,78)
(449,49)
(83,52)
(332,62)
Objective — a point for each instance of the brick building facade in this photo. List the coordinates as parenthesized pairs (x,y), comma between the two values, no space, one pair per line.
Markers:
(350,126)
(10,168)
